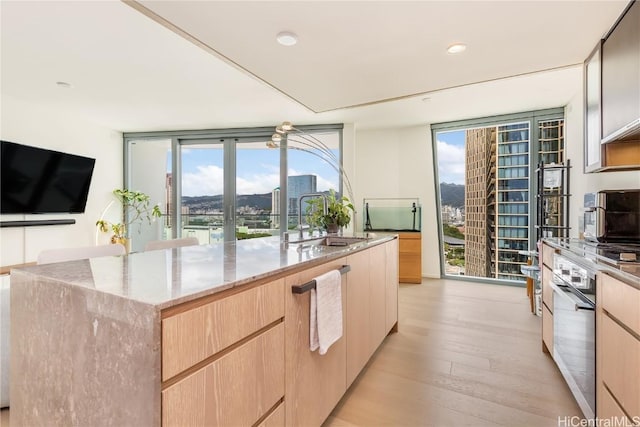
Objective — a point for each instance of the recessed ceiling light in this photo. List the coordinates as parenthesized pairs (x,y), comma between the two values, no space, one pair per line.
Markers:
(457,48)
(287,38)
(64,84)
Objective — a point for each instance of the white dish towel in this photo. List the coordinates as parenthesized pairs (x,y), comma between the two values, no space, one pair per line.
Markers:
(325,314)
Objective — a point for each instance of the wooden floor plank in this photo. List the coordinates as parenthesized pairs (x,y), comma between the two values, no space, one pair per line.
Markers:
(466,354)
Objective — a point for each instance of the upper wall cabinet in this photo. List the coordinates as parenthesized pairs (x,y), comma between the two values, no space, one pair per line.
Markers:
(621,79)
(592,122)
(612,97)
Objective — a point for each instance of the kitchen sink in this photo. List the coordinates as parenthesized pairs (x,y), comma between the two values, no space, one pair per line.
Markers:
(341,241)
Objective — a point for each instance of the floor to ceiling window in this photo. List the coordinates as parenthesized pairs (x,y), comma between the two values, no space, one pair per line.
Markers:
(222,185)
(485,192)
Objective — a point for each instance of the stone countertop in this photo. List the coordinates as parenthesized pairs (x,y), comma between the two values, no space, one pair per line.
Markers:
(164,278)
(582,253)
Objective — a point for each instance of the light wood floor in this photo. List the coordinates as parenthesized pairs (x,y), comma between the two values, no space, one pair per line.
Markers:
(466,354)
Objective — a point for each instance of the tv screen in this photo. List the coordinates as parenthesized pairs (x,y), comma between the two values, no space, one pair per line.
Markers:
(36,180)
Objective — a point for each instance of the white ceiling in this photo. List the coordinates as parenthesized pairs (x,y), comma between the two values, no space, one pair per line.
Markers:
(130,73)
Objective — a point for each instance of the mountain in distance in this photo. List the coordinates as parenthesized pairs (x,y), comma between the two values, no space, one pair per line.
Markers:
(257,201)
(452,194)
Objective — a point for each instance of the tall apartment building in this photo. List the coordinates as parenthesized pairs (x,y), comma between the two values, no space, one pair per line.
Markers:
(275,207)
(479,146)
(298,185)
(512,227)
(497,194)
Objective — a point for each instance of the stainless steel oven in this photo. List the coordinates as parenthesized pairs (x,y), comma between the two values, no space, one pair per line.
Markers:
(574,326)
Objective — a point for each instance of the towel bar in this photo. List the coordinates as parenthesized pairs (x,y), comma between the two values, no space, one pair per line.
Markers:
(301,289)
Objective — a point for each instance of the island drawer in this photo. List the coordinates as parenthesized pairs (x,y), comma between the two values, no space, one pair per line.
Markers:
(275,419)
(620,364)
(236,389)
(194,335)
(622,301)
(609,409)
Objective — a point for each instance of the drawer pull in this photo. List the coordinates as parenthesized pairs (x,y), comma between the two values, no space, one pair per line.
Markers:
(305,287)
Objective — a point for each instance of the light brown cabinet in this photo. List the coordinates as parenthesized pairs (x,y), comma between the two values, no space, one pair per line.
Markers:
(358,309)
(410,257)
(547,299)
(617,349)
(391,286)
(236,389)
(377,296)
(191,336)
(314,383)
(223,359)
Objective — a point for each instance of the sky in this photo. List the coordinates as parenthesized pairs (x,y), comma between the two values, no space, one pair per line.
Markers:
(451,160)
(258,170)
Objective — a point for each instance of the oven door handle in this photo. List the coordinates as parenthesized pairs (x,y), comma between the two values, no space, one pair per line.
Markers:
(565,292)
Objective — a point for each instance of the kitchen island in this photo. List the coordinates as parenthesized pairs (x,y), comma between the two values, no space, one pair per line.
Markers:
(201,335)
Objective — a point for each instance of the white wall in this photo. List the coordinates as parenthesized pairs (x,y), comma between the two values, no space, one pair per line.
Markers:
(36,125)
(399,163)
(150,179)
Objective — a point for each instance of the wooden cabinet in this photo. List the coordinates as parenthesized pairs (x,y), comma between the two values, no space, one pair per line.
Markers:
(391,300)
(193,335)
(612,98)
(621,301)
(608,409)
(223,358)
(275,418)
(358,309)
(372,298)
(314,383)
(547,298)
(236,389)
(621,73)
(621,363)
(410,257)
(618,348)
(377,296)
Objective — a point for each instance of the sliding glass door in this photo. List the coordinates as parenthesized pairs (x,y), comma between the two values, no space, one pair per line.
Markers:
(257,183)
(223,185)
(202,211)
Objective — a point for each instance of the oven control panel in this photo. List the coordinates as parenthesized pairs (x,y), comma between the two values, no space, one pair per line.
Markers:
(567,272)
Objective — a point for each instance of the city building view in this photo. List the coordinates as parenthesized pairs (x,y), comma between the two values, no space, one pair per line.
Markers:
(487,233)
(257,215)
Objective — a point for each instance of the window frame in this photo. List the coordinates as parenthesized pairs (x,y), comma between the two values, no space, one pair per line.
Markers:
(232,137)
(533,117)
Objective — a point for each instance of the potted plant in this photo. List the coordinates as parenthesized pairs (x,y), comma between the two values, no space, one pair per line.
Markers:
(135,209)
(338,212)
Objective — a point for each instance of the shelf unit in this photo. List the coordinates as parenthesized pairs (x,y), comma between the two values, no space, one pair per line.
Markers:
(552,200)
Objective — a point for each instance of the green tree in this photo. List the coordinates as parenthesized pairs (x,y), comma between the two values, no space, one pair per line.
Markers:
(451,231)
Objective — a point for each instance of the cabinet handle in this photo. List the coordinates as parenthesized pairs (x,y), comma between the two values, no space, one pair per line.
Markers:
(300,289)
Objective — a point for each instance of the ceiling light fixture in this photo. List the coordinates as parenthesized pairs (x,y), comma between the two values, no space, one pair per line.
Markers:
(287,38)
(457,48)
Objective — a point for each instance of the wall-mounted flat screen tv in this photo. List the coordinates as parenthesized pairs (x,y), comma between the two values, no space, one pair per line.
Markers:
(36,180)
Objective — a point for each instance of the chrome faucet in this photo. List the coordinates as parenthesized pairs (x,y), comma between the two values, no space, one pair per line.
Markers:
(306,196)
